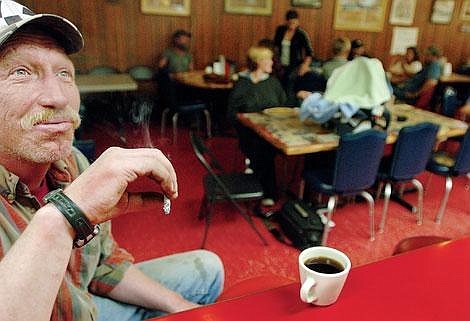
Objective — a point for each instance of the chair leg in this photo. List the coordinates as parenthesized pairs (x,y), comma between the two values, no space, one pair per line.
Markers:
(331,208)
(379,190)
(387,193)
(252,224)
(440,214)
(428,181)
(163,123)
(370,200)
(208,222)
(203,209)
(175,128)
(208,123)
(301,189)
(420,189)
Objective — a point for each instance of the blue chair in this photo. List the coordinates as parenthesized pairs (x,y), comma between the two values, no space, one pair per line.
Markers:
(410,154)
(87,147)
(355,169)
(448,166)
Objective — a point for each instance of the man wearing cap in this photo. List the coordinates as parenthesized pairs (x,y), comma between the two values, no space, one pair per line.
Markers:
(424,81)
(177,58)
(58,259)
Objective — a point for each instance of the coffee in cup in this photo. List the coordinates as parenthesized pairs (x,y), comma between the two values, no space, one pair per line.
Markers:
(323,271)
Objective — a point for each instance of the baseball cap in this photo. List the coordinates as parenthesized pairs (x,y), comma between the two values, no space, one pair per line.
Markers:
(13,16)
(180,33)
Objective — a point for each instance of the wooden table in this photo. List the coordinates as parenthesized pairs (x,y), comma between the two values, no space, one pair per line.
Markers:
(105,83)
(195,79)
(455,78)
(293,137)
(428,284)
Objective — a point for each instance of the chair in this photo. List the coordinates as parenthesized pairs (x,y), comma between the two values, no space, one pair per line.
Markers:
(355,169)
(222,186)
(448,166)
(424,100)
(103,70)
(410,155)
(416,242)
(185,108)
(142,72)
(87,147)
(171,98)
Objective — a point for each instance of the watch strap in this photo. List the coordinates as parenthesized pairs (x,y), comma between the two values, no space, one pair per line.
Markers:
(84,230)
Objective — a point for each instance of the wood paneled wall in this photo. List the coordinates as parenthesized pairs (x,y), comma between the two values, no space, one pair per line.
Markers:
(117,33)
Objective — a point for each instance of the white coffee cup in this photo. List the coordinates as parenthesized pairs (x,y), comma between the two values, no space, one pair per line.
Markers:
(322,288)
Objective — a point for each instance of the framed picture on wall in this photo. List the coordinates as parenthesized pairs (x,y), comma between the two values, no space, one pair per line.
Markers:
(251,7)
(166,7)
(307,3)
(465,11)
(442,11)
(366,15)
(402,12)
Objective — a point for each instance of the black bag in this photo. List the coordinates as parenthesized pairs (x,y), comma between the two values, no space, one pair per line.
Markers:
(299,223)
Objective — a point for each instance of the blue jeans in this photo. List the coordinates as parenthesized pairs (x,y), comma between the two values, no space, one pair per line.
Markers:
(197,275)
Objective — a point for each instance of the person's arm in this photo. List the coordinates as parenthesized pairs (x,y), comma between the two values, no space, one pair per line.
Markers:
(138,289)
(30,272)
(308,58)
(163,61)
(428,85)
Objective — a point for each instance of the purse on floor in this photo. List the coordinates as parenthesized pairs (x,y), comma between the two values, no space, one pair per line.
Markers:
(299,223)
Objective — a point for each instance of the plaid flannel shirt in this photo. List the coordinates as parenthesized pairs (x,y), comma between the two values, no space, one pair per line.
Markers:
(95,268)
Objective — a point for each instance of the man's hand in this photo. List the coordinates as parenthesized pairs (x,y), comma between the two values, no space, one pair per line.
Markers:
(101,191)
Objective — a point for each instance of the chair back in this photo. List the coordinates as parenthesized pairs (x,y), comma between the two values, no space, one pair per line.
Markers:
(204,155)
(103,70)
(462,159)
(357,160)
(142,72)
(412,150)
(450,102)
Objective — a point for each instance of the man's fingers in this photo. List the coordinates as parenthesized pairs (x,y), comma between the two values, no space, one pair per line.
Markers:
(145,201)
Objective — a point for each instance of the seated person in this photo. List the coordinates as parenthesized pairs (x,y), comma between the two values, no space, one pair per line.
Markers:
(254,91)
(357,49)
(316,80)
(341,48)
(424,81)
(55,261)
(404,67)
(176,58)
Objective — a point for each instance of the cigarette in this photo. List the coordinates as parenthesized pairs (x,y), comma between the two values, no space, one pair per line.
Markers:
(166,205)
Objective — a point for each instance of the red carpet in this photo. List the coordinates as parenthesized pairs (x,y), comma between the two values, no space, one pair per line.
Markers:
(152,234)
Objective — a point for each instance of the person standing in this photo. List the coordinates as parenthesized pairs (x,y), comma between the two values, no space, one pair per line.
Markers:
(295,52)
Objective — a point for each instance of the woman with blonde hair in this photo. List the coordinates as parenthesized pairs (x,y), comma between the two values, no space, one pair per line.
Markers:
(254,91)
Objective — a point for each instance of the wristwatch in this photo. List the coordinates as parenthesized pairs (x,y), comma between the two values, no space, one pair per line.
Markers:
(84,230)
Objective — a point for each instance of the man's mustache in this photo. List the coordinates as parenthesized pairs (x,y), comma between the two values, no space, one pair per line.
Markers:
(46,115)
